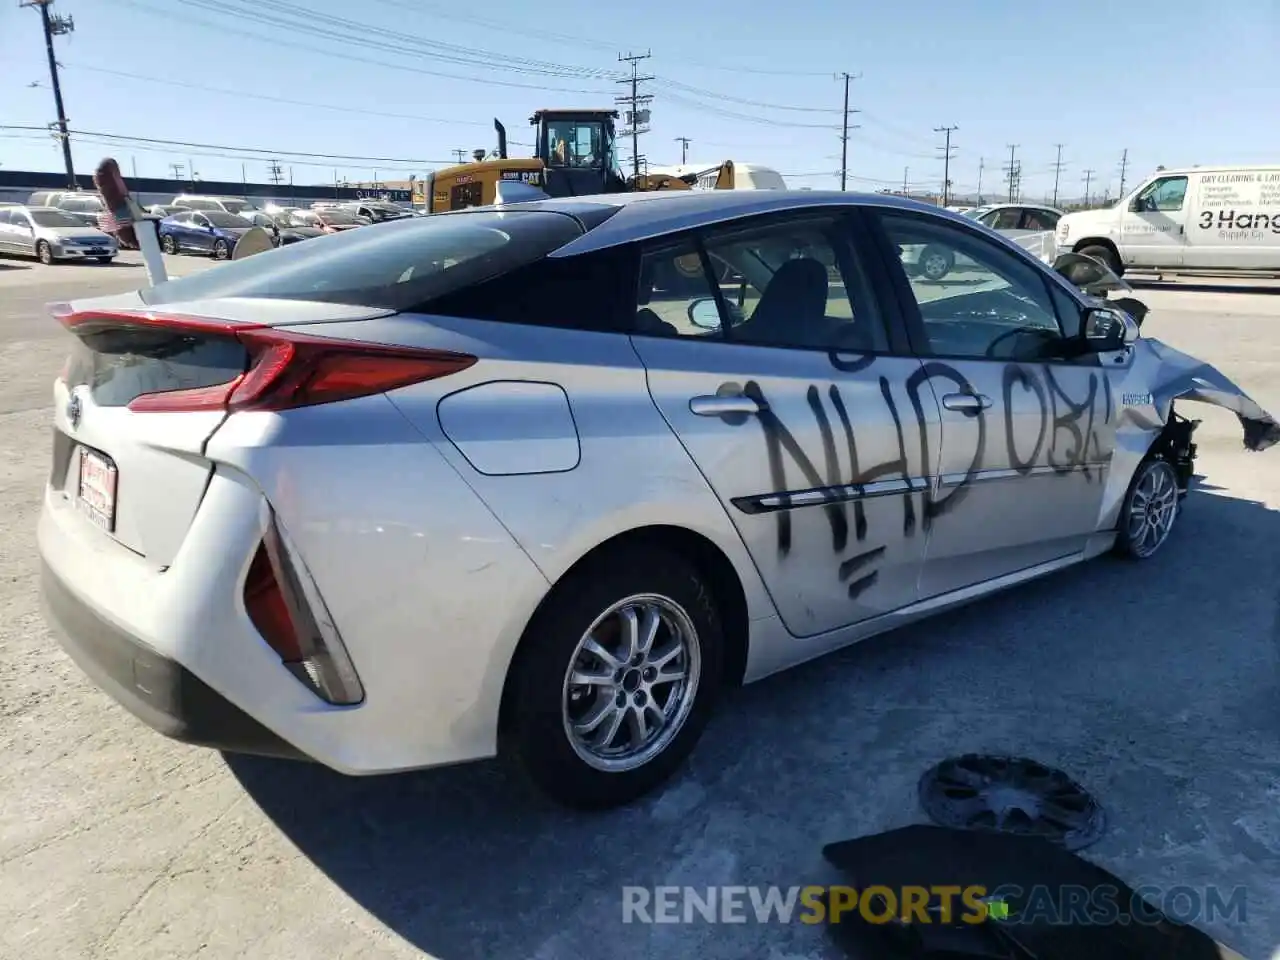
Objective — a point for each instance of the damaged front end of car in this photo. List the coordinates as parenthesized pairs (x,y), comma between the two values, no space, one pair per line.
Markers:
(1153,378)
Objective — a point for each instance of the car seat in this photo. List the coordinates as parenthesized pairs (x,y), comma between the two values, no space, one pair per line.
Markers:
(647,321)
(793,308)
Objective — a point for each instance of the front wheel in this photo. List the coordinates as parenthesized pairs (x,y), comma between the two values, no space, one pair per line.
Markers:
(1149,510)
(44,252)
(616,679)
(221,250)
(168,244)
(1105,256)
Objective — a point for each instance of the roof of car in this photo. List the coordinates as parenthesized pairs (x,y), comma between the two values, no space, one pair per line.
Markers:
(643,215)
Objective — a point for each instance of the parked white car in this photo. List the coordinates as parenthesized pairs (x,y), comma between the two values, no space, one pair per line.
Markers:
(1027,224)
(1211,219)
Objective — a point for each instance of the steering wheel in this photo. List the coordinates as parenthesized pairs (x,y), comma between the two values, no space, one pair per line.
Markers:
(990,352)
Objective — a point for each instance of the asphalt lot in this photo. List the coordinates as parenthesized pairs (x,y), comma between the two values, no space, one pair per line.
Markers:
(1154,684)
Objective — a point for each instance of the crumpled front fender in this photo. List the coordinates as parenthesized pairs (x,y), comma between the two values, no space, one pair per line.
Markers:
(1144,394)
(1171,375)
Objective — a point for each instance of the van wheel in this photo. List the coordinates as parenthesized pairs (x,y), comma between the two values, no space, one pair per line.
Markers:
(1149,511)
(616,679)
(1105,256)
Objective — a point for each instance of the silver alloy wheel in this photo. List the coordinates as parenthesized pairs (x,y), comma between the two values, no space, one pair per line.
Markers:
(1153,507)
(936,266)
(631,683)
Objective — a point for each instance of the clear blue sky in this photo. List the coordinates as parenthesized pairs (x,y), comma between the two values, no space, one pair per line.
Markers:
(1173,81)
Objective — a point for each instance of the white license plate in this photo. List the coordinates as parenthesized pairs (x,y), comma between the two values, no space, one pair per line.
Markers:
(97,489)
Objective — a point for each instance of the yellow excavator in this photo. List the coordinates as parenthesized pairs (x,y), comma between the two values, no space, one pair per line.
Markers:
(574,155)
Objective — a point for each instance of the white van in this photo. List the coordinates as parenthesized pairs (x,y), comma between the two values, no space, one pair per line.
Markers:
(1198,219)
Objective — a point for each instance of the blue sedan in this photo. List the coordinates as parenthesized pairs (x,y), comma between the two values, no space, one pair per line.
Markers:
(211,232)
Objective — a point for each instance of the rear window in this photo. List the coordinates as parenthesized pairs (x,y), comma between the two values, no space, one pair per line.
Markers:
(397,266)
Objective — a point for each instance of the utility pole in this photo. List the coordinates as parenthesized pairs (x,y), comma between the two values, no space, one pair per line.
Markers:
(461,155)
(177,170)
(275,173)
(684,149)
(905,191)
(1057,172)
(1124,166)
(982,163)
(946,162)
(636,118)
(1012,172)
(1088,179)
(845,128)
(56,26)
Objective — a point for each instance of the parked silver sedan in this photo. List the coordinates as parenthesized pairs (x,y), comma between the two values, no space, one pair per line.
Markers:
(478,484)
(51,235)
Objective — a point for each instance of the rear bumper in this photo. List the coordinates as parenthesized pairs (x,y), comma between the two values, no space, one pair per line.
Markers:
(157,690)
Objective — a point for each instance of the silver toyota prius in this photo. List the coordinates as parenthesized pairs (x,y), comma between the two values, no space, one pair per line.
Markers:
(542,480)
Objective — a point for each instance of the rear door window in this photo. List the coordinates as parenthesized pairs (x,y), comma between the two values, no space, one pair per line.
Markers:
(402,265)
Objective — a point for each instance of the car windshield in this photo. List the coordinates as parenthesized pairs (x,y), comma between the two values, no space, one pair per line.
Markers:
(238,206)
(977,212)
(54,218)
(220,219)
(340,217)
(399,266)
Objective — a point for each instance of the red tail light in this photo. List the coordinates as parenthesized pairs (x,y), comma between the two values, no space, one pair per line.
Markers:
(284,370)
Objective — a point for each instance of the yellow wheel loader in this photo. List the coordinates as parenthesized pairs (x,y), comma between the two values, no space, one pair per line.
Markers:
(575,154)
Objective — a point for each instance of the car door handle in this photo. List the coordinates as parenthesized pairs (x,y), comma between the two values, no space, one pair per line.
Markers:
(718,405)
(967,402)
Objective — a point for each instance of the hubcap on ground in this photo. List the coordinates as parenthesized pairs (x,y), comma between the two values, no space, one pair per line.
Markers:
(631,682)
(1152,510)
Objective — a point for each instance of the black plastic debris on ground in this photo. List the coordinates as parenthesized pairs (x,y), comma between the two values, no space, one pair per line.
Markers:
(1053,905)
(1011,795)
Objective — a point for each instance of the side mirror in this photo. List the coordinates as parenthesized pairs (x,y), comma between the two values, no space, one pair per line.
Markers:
(1107,330)
(704,313)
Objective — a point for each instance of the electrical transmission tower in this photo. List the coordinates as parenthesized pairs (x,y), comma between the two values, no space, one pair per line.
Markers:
(274,173)
(684,149)
(947,154)
(1057,172)
(845,128)
(1013,172)
(56,26)
(637,118)
(1124,168)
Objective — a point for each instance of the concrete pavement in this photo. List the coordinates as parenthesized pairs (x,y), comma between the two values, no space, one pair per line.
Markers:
(1155,684)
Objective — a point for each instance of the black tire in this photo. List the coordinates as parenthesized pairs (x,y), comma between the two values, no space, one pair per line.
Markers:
(221,250)
(936,262)
(1160,475)
(105,259)
(536,733)
(44,252)
(1104,255)
(168,244)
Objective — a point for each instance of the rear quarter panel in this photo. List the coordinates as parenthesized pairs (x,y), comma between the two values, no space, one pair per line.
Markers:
(631,472)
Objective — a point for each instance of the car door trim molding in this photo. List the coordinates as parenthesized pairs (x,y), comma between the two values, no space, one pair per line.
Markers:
(824,496)
(1010,473)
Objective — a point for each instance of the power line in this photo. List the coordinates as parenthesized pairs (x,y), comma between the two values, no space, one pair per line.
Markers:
(946,161)
(56,26)
(268,151)
(636,118)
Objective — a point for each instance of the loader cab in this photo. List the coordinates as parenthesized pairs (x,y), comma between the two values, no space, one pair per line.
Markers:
(579,151)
